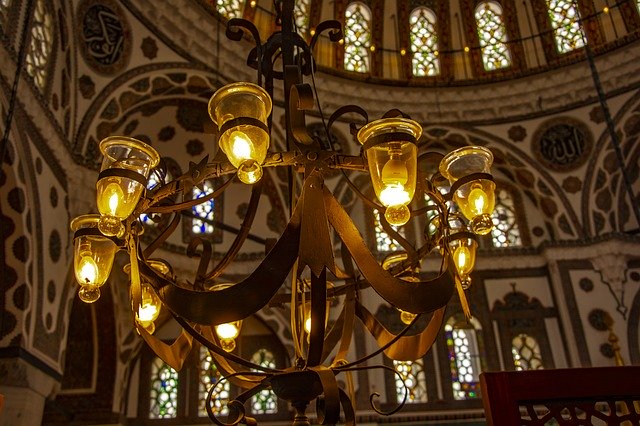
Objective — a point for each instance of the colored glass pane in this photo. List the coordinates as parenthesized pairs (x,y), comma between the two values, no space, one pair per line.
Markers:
(210,376)
(464,360)
(153,181)
(301,12)
(526,353)
(40,45)
(505,231)
(411,378)
(357,37)
(492,36)
(203,210)
(265,401)
(383,241)
(566,26)
(424,42)
(230,8)
(164,391)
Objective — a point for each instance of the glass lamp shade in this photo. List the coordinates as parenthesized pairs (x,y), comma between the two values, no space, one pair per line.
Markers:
(390,148)
(476,199)
(150,304)
(93,255)
(125,168)
(227,332)
(388,263)
(240,111)
(463,251)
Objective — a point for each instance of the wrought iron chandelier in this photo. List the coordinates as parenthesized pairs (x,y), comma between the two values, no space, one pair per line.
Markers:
(301,267)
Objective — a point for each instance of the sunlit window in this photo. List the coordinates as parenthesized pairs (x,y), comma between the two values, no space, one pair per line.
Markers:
(164,391)
(209,376)
(505,231)
(424,42)
(526,353)
(493,36)
(40,45)
(205,210)
(384,242)
(301,12)
(464,357)
(230,8)
(565,23)
(152,182)
(357,37)
(265,401)
(411,378)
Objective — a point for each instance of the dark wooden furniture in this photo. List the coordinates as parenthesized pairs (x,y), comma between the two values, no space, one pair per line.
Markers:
(570,396)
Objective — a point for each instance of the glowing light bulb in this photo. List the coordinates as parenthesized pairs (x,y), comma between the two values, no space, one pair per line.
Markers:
(240,145)
(462,259)
(88,271)
(394,172)
(394,194)
(113,203)
(477,201)
(397,215)
(307,325)
(89,293)
(227,331)
(148,311)
(113,194)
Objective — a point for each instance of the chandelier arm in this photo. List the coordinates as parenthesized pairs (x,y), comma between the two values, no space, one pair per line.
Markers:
(371,204)
(348,109)
(333,335)
(335,35)
(300,99)
(328,404)
(376,394)
(160,239)
(205,258)
(174,354)
(245,227)
(235,34)
(347,408)
(416,297)
(235,406)
(395,112)
(189,204)
(395,235)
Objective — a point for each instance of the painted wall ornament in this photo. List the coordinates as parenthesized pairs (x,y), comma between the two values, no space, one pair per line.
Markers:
(562,144)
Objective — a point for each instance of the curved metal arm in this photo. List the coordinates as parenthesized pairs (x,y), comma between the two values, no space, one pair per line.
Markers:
(234,32)
(348,109)
(335,35)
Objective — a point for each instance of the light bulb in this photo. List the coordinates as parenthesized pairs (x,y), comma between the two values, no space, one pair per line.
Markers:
(394,172)
(307,325)
(394,194)
(89,293)
(148,311)
(113,193)
(477,201)
(462,259)
(240,145)
(227,331)
(88,271)
(397,215)
(249,172)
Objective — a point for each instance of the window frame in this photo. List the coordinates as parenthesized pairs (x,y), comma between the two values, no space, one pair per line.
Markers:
(216,236)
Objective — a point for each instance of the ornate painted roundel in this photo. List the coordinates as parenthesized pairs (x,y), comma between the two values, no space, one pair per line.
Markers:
(104,36)
(562,144)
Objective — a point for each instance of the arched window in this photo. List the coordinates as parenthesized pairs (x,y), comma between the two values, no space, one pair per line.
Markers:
(40,45)
(424,42)
(164,391)
(505,231)
(230,8)
(301,12)
(384,243)
(526,353)
(493,36)
(565,23)
(357,37)
(411,378)
(209,376)
(265,401)
(205,210)
(464,357)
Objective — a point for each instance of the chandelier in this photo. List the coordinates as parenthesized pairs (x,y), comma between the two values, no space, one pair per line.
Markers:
(301,268)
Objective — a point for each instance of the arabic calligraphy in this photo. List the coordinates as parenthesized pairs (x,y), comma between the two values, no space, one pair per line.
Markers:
(564,145)
(104,37)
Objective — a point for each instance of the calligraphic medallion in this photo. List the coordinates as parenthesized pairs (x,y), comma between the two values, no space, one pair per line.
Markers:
(562,144)
(104,36)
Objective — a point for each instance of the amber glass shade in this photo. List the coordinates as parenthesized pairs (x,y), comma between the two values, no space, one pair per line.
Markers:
(93,256)
(392,164)
(117,195)
(463,252)
(245,143)
(476,199)
(227,332)
(150,304)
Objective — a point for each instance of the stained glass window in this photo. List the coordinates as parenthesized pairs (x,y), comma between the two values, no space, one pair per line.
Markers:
(464,358)
(40,45)
(209,376)
(566,28)
(230,8)
(301,13)
(383,241)
(424,42)
(526,353)
(164,391)
(410,378)
(204,210)
(357,37)
(493,36)
(153,181)
(505,231)
(265,401)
